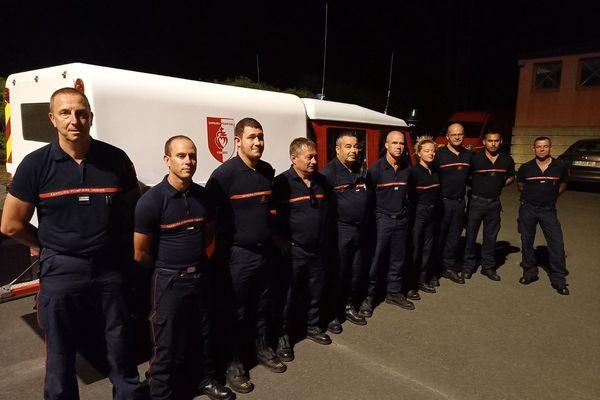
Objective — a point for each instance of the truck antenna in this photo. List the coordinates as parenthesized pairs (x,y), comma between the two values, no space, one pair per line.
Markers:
(387,102)
(257,71)
(324,54)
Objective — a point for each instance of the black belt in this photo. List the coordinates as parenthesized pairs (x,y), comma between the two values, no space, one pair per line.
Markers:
(309,249)
(484,198)
(453,198)
(393,216)
(190,270)
(257,248)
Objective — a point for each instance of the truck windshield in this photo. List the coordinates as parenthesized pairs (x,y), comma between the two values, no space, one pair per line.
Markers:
(472,129)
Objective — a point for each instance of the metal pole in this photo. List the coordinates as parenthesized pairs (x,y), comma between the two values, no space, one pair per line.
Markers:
(324,54)
(387,102)
(257,71)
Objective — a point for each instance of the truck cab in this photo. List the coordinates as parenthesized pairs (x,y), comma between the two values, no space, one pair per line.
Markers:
(476,124)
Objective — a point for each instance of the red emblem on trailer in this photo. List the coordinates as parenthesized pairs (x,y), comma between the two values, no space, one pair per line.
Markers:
(220,133)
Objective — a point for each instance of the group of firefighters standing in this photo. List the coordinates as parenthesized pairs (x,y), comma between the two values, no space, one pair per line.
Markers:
(304,249)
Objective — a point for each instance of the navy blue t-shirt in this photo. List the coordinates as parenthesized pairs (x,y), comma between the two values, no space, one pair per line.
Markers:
(390,187)
(243,200)
(541,188)
(488,178)
(453,170)
(301,212)
(175,221)
(80,207)
(424,187)
(350,191)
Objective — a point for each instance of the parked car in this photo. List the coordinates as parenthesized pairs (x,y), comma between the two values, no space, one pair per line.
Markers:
(583,160)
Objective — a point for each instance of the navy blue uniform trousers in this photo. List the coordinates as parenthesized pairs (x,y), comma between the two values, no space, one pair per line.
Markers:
(349,268)
(390,252)
(422,240)
(486,211)
(248,296)
(451,228)
(529,216)
(180,327)
(303,278)
(72,290)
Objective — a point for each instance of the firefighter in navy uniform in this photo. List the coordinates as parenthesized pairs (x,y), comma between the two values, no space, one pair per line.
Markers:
(453,163)
(301,199)
(387,179)
(491,170)
(173,223)
(424,186)
(347,179)
(84,191)
(540,182)
(242,189)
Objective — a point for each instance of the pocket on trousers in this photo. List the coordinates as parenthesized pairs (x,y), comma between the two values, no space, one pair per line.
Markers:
(43,303)
(46,263)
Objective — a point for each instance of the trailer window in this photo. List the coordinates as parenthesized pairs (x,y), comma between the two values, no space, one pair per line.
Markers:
(310,132)
(35,123)
(332,135)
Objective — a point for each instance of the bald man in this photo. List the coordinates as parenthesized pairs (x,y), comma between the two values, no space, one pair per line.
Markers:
(453,163)
(388,179)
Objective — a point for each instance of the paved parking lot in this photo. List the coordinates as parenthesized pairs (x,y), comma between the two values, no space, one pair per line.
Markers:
(483,340)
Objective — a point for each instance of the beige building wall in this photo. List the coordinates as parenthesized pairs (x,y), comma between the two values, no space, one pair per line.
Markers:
(566,114)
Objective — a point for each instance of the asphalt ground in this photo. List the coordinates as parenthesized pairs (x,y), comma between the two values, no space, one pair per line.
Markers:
(482,340)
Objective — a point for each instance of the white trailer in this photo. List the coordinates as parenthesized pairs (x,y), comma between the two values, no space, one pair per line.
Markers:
(138,112)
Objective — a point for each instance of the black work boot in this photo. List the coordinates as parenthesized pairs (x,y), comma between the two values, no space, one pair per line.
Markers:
(284,348)
(399,300)
(366,307)
(215,391)
(317,335)
(267,357)
(353,316)
(237,378)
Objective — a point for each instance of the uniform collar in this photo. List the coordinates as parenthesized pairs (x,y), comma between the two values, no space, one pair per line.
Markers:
(294,175)
(342,167)
(243,166)
(59,154)
(170,190)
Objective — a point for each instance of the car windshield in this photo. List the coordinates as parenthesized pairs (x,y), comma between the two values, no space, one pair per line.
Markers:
(586,146)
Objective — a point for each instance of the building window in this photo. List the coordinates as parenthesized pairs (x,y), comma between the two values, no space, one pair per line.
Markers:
(589,72)
(547,75)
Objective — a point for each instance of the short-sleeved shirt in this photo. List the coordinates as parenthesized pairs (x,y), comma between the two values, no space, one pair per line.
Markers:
(350,191)
(390,187)
(80,207)
(243,199)
(301,212)
(541,188)
(175,220)
(424,186)
(488,177)
(453,170)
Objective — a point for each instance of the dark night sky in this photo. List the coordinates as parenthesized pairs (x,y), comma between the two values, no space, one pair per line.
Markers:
(448,55)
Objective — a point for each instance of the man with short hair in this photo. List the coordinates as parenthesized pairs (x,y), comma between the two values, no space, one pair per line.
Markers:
(453,162)
(540,182)
(84,191)
(241,188)
(174,221)
(387,179)
(301,201)
(491,170)
(345,177)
